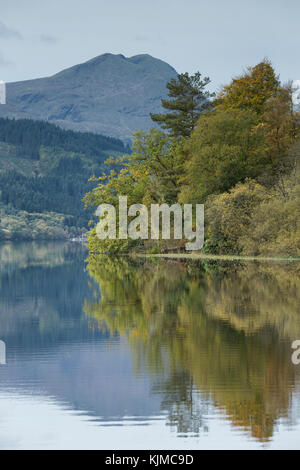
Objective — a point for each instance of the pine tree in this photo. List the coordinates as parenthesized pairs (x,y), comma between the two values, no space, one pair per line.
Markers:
(188,99)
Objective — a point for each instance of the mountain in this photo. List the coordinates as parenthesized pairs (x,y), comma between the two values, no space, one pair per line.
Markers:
(110,94)
(296,94)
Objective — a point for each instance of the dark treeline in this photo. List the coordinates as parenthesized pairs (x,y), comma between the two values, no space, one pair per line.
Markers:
(31,135)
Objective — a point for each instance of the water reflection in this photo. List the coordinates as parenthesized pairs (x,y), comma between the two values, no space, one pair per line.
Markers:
(222,330)
(145,351)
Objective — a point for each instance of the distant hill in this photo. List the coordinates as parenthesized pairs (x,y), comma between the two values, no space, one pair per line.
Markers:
(110,94)
(31,135)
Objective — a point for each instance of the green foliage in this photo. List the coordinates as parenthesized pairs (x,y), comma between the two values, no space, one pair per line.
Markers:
(108,246)
(46,169)
(158,159)
(225,148)
(59,191)
(241,139)
(188,99)
(149,175)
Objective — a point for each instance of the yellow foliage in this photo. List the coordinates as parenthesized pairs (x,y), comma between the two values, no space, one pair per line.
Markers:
(251,90)
(253,220)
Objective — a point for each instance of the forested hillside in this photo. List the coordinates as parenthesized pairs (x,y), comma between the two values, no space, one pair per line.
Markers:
(46,169)
(31,135)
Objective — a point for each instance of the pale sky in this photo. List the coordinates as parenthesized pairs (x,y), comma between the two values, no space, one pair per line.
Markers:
(220,38)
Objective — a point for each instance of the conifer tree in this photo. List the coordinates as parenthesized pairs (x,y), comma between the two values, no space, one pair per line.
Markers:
(187,100)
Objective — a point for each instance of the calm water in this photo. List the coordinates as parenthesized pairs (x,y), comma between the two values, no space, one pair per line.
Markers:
(146,354)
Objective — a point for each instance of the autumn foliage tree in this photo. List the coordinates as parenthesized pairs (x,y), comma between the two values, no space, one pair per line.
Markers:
(280,125)
(251,90)
(248,135)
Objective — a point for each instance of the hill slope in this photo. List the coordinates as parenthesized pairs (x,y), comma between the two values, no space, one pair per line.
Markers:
(110,94)
(44,173)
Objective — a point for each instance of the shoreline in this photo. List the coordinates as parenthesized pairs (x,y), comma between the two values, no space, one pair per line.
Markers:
(218,257)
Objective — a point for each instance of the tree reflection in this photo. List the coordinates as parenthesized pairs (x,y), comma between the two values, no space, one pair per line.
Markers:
(219,330)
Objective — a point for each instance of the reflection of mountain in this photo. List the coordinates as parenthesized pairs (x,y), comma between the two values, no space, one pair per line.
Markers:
(83,375)
(41,292)
(16,256)
(224,331)
(52,347)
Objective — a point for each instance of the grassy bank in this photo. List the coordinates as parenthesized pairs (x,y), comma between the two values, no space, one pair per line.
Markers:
(217,257)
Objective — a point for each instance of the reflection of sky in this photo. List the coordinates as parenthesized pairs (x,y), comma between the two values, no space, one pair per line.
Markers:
(88,396)
(38,422)
(97,377)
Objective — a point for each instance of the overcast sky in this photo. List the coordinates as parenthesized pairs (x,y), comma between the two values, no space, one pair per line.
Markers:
(217,37)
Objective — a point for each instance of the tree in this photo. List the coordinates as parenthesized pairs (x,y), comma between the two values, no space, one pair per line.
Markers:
(228,216)
(188,99)
(254,220)
(251,90)
(281,129)
(225,148)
